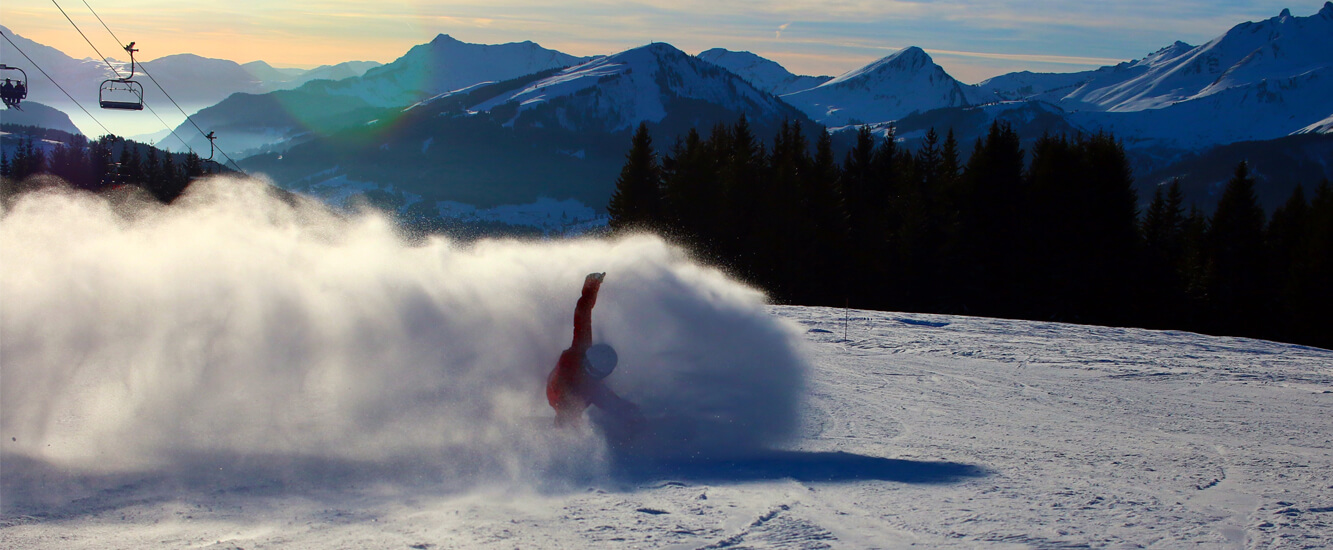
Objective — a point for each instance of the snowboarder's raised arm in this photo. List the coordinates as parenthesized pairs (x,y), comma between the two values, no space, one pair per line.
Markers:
(583,311)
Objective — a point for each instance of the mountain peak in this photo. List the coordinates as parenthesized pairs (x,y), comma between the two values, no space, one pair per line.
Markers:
(905,82)
(911,57)
(1285,13)
(1327,11)
(912,51)
(658,47)
(445,39)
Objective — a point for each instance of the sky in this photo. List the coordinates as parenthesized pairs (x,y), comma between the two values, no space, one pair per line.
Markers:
(971,39)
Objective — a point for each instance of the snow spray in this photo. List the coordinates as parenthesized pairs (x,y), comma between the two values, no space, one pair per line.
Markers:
(241,326)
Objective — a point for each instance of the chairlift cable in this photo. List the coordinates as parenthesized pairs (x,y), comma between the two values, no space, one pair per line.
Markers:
(163,90)
(85,39)
(53,81)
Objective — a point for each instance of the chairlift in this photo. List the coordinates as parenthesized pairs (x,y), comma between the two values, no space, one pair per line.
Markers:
(15,87)
(122,93)
(210,137)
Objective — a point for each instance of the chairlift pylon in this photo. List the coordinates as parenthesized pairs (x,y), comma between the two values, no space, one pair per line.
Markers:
(14,90)
(122,93)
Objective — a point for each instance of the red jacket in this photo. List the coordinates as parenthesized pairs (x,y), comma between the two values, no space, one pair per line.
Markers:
(567,386)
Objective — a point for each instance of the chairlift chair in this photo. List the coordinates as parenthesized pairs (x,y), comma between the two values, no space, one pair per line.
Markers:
(18,90)
(122,93)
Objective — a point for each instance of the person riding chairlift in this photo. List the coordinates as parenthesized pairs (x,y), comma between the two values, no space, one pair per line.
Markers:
(9,92)
(576,381)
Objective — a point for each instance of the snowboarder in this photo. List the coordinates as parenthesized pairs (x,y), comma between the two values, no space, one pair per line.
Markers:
(576,380)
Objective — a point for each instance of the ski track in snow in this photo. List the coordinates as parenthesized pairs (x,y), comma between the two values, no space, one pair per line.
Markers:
(920,430)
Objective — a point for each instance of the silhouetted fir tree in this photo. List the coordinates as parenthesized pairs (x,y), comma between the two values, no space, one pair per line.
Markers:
(99,154)
(867,204)
(1059,238)
(857,181)
(193,167)
(1162,222)
(1110,255)
(1236,284)
(1309,322)
(130,171)
(987,252)
(949,161)
(692,195)
(1285,246)
(1051,233)
(781,231)
(1163,233)
(637,200)
(155,179)
(27,160)
(4,164)
(1193,267)
(742,176)
(919,234)
(824,276)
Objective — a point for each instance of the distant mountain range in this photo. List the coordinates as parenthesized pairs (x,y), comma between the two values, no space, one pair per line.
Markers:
(509,123)
(194,82)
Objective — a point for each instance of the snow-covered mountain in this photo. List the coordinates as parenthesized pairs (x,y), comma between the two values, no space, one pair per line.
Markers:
(446,64)
(559,134)
(765,74)
(260,122)
(645,84)
(906,82)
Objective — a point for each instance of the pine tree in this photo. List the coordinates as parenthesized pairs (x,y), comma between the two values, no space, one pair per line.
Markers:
(637,200)
(1310,321)
(987,250)
(1111,253)
(1285,244)
(1163,233)
(1236,281)
(825,279)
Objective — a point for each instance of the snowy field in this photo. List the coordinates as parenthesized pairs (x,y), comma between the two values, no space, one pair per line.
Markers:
(910,430)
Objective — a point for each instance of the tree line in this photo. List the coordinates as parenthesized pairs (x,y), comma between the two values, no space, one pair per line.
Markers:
(1052,235)
(105,163)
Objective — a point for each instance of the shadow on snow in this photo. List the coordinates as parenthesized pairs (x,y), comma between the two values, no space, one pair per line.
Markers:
(830,467)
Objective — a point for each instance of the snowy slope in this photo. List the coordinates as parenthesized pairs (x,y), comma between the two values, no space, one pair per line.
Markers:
(638,85)
(1283,47)
(289,378)
(1324,126)
(906,82)
(765,74)
(1268,109)
(1055,87)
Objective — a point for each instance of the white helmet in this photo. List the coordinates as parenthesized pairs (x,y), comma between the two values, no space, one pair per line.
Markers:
(599,361)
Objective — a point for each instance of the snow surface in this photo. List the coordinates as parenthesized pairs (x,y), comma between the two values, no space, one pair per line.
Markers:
(240,371)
